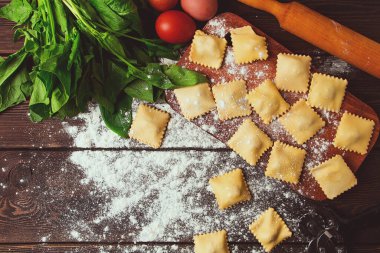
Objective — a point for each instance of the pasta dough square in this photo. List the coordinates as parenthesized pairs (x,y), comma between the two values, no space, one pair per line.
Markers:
(250,142)
(293,72)
(354,133)
(301,121)
(267,101)
(207,50)
(269,229)
(230,100)
(247,45)
(215,242)
(149,125)
(285,162)
(195,100)
(327,92)
(230,189)
(334,176)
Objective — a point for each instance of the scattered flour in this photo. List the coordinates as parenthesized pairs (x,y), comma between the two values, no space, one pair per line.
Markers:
(218,27)
(89,131)
(333,66)
(164,196)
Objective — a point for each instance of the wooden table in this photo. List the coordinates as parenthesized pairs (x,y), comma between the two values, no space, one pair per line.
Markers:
(41,195)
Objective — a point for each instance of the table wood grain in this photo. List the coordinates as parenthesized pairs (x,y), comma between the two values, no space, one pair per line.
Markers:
(32,209)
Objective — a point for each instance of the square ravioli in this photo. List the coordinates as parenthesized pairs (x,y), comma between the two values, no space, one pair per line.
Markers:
(230,189)
(327,92)
(334,176)
(195,100)
(207,50)
(285,162)
(231,100)
(269,229)
(149,125)
(301,121)
(247,45)
(250,142)
(267,101)
(293,72)
(215,242)
(354,133)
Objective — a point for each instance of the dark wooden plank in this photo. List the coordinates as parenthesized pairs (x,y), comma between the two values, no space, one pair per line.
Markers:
(171,248)
(61,197)
(167,248)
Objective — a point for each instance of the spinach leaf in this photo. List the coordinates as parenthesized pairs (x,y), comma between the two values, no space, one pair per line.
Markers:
(14,80)
(57,65)
(39,104)
(116,80)
(83,93)
(1,60)
(60,18)
(15,89)
(70,109)
(17,11)
(157,48)
(11,64)
(141,90)
(119,121)
(181,77)
(173,76)
(118,15)
(108,16)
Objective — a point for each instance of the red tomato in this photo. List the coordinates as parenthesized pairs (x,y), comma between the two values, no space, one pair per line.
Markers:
(175,27)
(163,5)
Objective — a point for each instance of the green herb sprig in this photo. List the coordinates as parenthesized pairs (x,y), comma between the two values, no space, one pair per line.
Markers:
(76,51)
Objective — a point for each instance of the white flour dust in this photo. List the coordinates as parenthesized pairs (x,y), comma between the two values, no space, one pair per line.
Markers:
(164,196)
(92,132)
(147,196)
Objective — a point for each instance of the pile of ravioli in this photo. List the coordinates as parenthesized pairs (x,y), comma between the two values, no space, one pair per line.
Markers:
(300,120)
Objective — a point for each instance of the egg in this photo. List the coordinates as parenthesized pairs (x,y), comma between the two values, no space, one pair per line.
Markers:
(201,10)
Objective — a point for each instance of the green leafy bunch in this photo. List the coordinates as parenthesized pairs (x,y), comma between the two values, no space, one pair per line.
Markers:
(76,51)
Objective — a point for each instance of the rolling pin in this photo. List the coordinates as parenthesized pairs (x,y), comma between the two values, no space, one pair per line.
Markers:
(324,33)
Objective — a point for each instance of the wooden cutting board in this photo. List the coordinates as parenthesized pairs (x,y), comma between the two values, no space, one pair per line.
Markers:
(319,148)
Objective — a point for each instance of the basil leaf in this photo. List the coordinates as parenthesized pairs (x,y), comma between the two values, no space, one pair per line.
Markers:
(17,11)
(120,121)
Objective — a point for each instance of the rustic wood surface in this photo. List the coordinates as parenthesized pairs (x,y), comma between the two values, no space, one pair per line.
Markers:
(32,207)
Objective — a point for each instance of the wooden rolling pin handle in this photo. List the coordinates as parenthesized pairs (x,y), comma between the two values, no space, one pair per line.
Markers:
(324,33)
